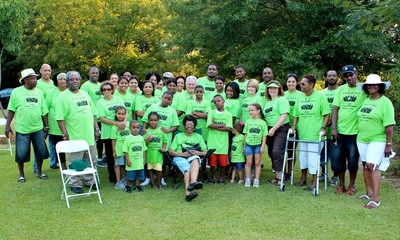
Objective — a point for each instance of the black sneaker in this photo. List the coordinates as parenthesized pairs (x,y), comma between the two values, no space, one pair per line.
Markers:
(76,190)
(128,189)
(138,189)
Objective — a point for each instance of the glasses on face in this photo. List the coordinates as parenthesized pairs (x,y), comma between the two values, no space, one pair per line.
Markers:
(304,84)
(106,89)
(291,75)
(348,75)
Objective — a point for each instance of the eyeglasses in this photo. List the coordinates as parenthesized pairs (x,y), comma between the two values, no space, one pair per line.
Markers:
(291,75)
(106,89)
(348,75)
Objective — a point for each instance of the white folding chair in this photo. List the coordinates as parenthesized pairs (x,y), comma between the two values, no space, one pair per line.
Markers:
(66,174)
(3,122)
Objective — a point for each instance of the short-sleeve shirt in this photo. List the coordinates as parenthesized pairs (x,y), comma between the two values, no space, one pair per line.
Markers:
(374,116)
(274,109)
(243,89)
(291,97)
(255,130)
(179,103)
(106,108)
(209,87)
(129,102)
(246,103)
(202,107)
(349,101)
(261,90)
(142,103)
(237,155)
(310,111)
(119,137)
(330,95)
(135,147)
(29,107)
(93,89)
(195,141)
(46,87)
(51,101)
(77,110)
(219,139)
(233,106)
(155,144)
(213,94)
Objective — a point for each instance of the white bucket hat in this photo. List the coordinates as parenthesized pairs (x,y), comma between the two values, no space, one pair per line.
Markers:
(26,73)
(373,79)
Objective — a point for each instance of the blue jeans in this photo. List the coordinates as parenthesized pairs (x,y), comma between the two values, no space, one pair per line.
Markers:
(23,146)
(52,151)
(345,149)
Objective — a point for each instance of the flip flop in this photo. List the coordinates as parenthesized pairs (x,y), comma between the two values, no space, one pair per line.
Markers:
(364,197)
(42,176)
(372,204)
(194,185)
(21,180)
(191,196)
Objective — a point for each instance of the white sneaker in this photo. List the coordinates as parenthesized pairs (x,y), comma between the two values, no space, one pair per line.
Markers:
(163,182)
(145,182)
(120,185)
(256,183)
(247,182)
(273,170)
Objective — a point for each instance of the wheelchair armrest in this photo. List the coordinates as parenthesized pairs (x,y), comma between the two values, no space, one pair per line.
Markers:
(209,152)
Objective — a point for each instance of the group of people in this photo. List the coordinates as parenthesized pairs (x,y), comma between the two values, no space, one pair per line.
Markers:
(143,125)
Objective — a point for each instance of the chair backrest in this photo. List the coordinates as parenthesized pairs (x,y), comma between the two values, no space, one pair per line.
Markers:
(3,121)
(72,146)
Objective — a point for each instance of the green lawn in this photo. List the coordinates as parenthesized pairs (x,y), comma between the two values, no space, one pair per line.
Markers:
(34,210)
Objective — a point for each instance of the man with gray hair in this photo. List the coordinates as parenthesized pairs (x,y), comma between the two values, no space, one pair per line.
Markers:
(76,116)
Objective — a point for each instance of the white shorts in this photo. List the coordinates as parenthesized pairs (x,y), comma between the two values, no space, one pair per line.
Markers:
(309,153)
(372,152)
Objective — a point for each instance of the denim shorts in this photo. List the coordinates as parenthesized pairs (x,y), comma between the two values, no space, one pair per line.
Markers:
(135,175)
(238,165)
(184,163)
(344,151)
(120,161)
(23,146)
(251,150)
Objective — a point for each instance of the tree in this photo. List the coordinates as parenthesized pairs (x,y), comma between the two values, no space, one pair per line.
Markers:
(13,14)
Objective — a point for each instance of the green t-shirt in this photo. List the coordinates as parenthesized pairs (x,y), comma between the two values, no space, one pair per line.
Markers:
(374,116)
(233,106)
(310,111)
(274,109)
(106,108)
(51,101)
(129,102)
(202,107)
(330,95)
(93,89)
(119,137)
(209,87)
(243,89)
(29,107)
(46,87)
(219,139)
(255,130)
(77,110)
(212,98)
(158,94)
(349,101)
(261,90)
(179,103)
(237,155)
(291,97)
(246,103)
(156,143)
(195,141)
(135,146)
(142,103)
(168,118)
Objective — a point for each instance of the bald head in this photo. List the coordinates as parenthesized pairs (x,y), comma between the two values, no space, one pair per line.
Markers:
(45,72)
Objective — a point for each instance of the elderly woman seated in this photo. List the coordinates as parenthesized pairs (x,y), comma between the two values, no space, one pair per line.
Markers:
(186,149)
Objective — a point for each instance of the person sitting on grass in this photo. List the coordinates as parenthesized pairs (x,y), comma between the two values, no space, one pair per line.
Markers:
(186,149)
(135,156)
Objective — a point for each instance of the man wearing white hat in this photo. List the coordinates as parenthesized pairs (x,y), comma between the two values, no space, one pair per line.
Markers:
(28,106)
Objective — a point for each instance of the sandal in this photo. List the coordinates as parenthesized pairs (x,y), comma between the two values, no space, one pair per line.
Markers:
(364,197)
(300,183)
(240,182)
(274,180)
(211,181)
(221,182)
(340,190)
(351,191)
(372,204)
(21,180)
(42,176)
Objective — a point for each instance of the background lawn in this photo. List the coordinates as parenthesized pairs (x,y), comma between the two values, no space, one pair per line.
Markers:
(34,210)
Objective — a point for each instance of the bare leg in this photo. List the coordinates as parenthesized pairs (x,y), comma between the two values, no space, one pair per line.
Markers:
(151,176)
(257,162)
(353,176)
(117,173)
(233,174)
(367,180)
(249,162)
(159,177)
(341,178)
(21,169)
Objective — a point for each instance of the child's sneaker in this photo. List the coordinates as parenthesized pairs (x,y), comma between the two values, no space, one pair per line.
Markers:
(138,189)
(128,189)
(145,182)
(120,185)
(163,182)
(256,183)
(240,182)
(247,182)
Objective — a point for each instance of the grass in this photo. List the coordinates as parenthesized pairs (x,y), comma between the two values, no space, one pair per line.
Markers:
(34,210)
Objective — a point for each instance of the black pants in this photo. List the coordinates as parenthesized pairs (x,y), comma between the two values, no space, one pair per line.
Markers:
(276,146)
(110,160)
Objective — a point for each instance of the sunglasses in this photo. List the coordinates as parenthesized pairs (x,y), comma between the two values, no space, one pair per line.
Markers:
(291,75)
(106,89)
(348,75)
